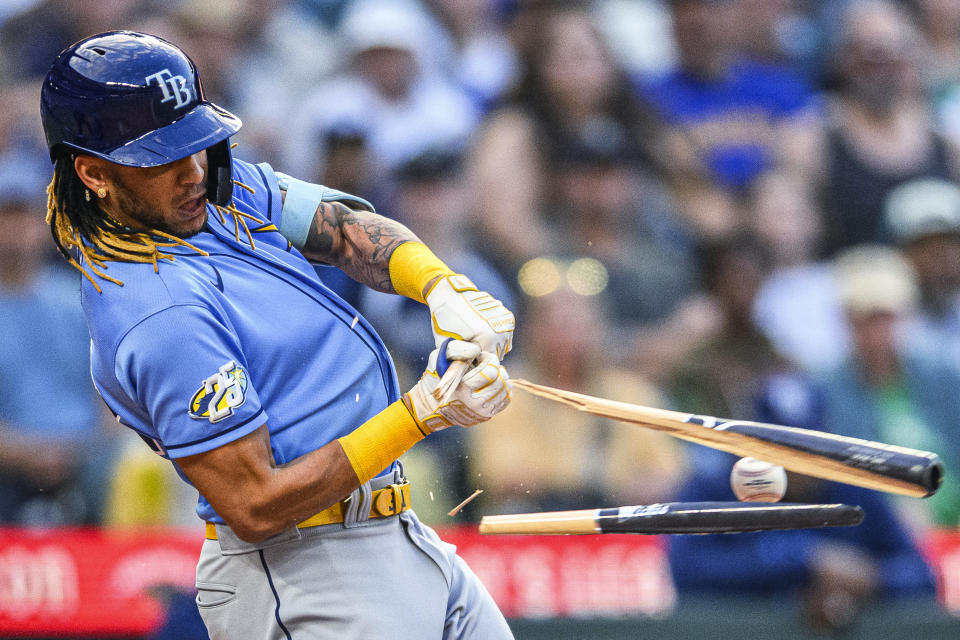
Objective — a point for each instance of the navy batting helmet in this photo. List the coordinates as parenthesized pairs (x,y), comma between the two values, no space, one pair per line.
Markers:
(136,100)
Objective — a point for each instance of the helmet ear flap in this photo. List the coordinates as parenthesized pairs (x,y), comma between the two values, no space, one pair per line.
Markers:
(219,173)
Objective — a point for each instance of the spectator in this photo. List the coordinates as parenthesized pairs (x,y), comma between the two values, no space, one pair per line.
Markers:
(797,306)
(729,118)
(22,153)
(639,33)
(885,390)
(35,36)
(570,87)
(923,218)
(348,164)
(215,32)
(939,20)
(390,94)
(261,56)
(880,132)
(778,32)
(542,456)
(479,55)
(610,209)
(719,375)
(830,573)
(51,445)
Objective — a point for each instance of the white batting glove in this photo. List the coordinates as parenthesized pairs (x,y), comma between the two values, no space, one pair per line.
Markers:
(483,391)
(459,311)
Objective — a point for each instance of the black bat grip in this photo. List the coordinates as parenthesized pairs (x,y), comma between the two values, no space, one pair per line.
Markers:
(725,517)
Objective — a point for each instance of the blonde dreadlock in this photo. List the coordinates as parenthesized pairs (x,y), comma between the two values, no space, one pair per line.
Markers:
(79,225)
(239,217)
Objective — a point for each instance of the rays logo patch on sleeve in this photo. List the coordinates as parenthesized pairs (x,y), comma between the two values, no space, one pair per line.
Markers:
(220,394)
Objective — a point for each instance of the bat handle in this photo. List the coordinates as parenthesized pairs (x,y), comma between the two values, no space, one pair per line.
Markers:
(450,374)
(442,363)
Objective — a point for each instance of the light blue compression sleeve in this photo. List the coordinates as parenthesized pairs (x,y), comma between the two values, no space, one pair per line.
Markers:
(300,206)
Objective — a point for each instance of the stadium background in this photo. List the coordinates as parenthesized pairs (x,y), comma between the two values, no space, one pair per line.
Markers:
(745,208)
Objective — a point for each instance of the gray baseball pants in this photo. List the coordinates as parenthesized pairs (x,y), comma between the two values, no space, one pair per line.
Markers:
(384,578)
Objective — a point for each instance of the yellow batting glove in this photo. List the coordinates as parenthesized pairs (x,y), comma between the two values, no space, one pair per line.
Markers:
(483,391)
(459,311)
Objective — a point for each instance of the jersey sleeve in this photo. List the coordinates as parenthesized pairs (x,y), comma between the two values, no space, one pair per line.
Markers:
(256,186)
(187,370)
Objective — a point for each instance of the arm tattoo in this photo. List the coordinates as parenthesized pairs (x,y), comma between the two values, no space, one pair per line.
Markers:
(359,242)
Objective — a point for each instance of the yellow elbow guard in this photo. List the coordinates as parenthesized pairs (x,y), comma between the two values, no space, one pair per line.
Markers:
(374,445)
(412,267)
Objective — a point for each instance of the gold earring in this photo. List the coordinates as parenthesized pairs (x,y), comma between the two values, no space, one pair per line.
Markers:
(86,194)
(102,192)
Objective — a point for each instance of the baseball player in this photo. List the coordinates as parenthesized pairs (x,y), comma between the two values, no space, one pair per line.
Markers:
(213,339)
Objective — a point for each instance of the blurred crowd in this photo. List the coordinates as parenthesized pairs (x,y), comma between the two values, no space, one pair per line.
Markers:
(743,208)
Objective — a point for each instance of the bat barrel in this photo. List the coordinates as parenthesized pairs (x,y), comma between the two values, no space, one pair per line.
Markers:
(920,469)
(933,477)
(874,465)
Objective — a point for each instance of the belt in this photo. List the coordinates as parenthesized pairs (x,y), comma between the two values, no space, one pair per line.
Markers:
(389,501)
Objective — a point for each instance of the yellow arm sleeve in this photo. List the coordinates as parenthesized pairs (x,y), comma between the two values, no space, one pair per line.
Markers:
(412,267)
(375,444)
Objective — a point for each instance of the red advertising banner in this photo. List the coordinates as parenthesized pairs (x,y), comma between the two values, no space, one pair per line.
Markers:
(551,576)
(92,583)
(942,549)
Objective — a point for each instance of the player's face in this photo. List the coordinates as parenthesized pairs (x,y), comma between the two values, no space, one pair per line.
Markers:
(171,197)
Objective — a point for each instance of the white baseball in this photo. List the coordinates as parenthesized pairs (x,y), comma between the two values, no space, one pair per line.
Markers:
(758,481)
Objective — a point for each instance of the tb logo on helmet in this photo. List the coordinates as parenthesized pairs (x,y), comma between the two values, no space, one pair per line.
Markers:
(173,87)
(219,394)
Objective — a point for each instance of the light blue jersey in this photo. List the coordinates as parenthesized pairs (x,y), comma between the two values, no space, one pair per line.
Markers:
(212,347)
